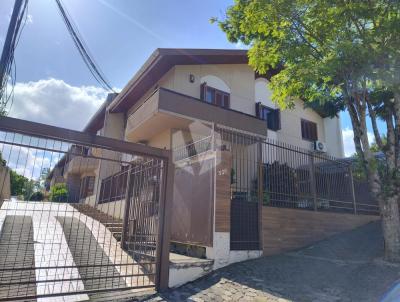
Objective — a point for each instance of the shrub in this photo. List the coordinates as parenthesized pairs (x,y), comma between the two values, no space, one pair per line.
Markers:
(37,196)
(59,193)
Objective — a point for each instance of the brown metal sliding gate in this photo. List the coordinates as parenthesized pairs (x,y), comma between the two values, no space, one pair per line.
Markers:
(52,246)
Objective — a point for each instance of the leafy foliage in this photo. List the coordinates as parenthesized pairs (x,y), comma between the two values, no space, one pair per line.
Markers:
(37,196)
(21,186)
(319,43)
(335,54)
(59,192)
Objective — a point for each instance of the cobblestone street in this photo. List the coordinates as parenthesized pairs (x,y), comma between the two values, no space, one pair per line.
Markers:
(346,267)
(215,288)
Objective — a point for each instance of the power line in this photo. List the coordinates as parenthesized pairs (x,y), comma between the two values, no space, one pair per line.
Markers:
(83,49)
(8,70)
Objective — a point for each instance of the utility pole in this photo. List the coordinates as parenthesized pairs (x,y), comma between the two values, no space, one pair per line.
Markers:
(5,55)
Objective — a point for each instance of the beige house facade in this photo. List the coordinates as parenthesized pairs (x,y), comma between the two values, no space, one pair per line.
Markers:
(244,89)
(180,96)
(236,155)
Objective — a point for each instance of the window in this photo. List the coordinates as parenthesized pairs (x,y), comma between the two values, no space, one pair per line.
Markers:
(309,130)
(272,116)
(214,96)
(87,186)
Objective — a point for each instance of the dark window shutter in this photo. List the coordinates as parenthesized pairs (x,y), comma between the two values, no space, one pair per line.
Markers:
(227,101)
(314,132)
(218,99)
(258,109)
(278,119)
(309,130)
(271,116)
(203,88)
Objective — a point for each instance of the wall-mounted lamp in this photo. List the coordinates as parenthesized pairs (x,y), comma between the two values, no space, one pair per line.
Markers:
(191,78)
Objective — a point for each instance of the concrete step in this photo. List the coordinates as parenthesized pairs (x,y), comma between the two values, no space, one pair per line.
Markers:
(183,269)
(115,226)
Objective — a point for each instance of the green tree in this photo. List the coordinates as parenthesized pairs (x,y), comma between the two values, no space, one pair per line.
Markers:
(336,54)
(21,185)
(59,192)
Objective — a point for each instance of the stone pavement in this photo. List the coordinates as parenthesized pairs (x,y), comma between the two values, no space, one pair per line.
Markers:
(346,267)
(221,289)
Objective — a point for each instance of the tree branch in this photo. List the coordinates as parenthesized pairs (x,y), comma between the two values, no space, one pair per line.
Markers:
(390,152)
(396,114)
(377,135)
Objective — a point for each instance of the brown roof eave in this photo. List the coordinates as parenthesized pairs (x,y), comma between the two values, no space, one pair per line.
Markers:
(162,60)
(97,120)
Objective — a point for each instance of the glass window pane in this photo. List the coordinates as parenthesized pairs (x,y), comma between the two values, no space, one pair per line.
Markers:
(210,95)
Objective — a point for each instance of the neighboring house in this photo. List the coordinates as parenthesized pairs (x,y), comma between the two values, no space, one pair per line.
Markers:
(77,170)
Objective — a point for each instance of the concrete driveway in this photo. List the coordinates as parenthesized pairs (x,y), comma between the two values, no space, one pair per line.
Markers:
(346,267)
(60,251)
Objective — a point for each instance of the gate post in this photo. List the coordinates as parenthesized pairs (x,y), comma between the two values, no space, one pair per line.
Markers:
(164,234)
(260,193)
(312,182)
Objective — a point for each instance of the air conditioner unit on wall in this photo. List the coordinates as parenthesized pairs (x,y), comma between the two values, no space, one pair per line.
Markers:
(320,146)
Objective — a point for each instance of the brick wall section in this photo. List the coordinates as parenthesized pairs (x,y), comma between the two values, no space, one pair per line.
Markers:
(288,229)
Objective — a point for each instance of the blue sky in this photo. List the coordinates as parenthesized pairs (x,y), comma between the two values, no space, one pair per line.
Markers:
(121,34)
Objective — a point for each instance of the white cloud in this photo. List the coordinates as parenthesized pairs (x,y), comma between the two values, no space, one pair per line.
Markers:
(28,161)
(56,103)
(348,142)
(29,19)
(240,45)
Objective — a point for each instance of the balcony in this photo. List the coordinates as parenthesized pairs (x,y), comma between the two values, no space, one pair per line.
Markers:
(166,109)
(79,165)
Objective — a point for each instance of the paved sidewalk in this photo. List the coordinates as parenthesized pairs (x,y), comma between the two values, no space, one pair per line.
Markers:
(347,267)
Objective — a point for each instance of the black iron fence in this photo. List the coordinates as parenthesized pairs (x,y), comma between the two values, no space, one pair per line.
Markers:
(276,174)
(50,248)
(283,175)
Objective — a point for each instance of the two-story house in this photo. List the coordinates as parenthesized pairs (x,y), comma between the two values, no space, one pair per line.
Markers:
(249,178)
(176,87)
(212,110)
(179,96)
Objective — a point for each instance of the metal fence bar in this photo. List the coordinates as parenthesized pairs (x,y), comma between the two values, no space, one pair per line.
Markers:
(290,177)
(76,137)
(62,234)
(313,184)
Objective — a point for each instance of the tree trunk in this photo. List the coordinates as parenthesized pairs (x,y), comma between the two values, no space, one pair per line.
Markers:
(391,227)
